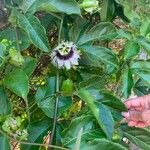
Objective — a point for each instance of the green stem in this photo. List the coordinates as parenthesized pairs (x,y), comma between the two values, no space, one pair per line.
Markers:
(57,91)
(27,108)
(60,30)
(30,143)
(17,39)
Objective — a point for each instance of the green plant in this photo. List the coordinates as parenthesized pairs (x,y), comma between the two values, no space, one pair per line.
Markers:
(61,78)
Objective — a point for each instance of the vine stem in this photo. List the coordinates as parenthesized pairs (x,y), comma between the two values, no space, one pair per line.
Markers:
(57,91)
(17,39)
(30,143)
(27,108)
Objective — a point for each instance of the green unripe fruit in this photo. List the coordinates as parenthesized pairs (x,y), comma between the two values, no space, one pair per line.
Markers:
(67,87)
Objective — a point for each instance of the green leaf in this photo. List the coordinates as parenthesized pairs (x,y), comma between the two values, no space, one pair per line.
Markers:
(46,100)
(127,82)
(141,88)
(67,87)
(109,99)
(141,65)
(17,82)
(57,6)
(29,65)
(93,81)
(28,5)
(5,104)
(102,31)
(37,131)
(9,4)
(129,11)
(3,53)
(102,144)
(10,34)
(107,119)
(144,75)
(101,112)
(142,69)
(78,28)
(145,27)
(47,105)
(124,33)
(63,6)
(107,10)
(99,55)
(4,143)
(144,43)
(35,31)
(69,135)
(131,49)
(140,137)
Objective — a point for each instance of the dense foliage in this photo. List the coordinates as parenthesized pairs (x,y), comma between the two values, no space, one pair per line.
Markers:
(65,68)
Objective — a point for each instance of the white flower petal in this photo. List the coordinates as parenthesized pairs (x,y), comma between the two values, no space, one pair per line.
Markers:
(67,64)
(60,63)
(74,61)
(75,55)
(53,54)
(54,61)
(64,50)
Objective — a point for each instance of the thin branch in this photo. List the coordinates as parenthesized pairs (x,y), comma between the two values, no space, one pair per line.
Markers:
(55,111)
(30,143)
(17,39)
(57,91)
(43,145)
(60,30)
(27,108)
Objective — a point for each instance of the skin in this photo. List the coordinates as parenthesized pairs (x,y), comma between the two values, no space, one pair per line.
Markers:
(138,114)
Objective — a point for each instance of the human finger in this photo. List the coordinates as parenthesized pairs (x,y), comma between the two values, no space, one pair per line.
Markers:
(143,101)
(132,123)
(133,103)
(141,124)
(137,109)
(133,115)
(146,116)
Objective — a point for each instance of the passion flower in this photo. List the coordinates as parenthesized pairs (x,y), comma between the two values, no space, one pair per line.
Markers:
(65,55)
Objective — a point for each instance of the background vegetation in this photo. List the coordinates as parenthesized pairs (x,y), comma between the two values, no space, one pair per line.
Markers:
(77,108)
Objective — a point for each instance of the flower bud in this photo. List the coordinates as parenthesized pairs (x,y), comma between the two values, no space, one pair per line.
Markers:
(22,135)
(11,124)
(16,58)
(90,6)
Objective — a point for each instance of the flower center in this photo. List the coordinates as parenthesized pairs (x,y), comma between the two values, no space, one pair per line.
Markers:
(65,53)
